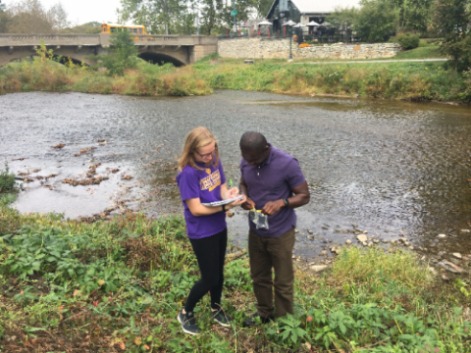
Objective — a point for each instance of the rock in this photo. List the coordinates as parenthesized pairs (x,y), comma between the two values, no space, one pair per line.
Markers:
(457,255)
(362,238)
(334,250)
(441,236)
(450,266)
(348,242)
(318,268)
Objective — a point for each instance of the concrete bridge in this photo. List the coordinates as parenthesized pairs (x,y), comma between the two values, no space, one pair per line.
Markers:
(178,50)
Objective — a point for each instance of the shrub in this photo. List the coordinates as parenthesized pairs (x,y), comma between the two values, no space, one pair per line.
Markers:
(408,41)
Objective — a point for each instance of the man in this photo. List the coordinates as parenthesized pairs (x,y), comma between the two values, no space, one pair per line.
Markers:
(274,185)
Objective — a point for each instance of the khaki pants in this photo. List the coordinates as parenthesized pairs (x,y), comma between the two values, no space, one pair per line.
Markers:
(267,254)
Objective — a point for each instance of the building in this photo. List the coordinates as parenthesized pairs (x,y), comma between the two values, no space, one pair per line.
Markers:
(309,15)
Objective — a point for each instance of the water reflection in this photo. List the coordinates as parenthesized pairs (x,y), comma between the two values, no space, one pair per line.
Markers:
(389,168)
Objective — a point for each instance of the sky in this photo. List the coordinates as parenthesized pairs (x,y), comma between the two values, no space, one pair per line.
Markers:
(82,11)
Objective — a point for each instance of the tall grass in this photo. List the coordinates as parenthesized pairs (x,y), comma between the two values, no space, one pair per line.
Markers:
(415,81)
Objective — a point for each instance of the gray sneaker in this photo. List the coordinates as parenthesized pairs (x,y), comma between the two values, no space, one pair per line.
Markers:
(188,323)
(221,318)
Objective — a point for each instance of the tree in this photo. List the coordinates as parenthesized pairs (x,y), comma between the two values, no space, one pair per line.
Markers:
(415,15)
(218,14)
(186,16)
(57,17)
(344,19)
(452,21)
(263,6)
(28,16)
(123,53)
(3,18)
(211,13)
(409,15)
(376,21)
(159,16)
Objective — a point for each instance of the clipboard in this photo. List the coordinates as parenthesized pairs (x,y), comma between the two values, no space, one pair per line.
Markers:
(222,202)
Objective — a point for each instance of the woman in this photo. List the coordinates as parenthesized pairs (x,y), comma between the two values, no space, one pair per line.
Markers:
(201,181)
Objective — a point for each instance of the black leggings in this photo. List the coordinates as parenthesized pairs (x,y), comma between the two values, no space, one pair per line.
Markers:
(210,253)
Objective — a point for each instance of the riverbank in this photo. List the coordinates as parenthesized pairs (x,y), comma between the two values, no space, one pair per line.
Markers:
(116,286)
(418,81)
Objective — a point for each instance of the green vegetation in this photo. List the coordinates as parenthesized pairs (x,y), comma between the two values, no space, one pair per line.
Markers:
(117,285)
(408,41)
(123,54)
(422,52)
(7,181)
(416,81)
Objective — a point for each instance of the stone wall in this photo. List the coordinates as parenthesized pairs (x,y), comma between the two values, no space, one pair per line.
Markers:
(200,51)
(264,48)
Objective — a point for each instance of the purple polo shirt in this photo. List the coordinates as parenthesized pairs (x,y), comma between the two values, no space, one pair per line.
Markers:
(273,180)
(204,184)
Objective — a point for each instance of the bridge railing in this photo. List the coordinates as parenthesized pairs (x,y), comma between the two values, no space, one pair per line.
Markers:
(12,40)
(48,39)
(166,40)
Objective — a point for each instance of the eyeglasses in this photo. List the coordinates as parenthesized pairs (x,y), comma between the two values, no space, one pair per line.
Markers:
(207,155)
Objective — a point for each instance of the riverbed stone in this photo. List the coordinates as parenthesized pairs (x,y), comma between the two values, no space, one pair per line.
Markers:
(362,238)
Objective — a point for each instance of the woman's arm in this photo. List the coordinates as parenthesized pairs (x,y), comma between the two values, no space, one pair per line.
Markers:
(198,209)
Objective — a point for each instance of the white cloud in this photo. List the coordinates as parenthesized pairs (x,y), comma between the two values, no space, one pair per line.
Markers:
(82,11)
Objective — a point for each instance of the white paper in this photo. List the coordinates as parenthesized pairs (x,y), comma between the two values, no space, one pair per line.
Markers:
(223,202)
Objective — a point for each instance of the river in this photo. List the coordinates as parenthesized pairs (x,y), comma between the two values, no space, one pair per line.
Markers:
(384,168)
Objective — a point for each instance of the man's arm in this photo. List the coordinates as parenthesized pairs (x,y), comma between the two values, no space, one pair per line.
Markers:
(248,204)
(301,196)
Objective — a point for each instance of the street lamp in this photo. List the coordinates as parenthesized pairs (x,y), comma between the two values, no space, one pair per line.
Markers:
(234,14)
(290,23)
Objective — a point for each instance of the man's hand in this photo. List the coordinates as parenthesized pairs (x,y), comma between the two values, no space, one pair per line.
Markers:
(272,207)
(248,204)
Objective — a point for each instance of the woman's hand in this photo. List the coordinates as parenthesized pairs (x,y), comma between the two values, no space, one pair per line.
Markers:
(239,202)
(232,192)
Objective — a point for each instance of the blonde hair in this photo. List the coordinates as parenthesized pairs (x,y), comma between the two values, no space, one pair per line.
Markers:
(198,137)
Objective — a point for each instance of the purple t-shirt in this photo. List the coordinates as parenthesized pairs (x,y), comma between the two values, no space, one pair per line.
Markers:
(204,184)
(273,180)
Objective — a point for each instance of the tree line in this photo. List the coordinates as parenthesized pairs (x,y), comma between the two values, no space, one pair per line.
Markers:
(372,21)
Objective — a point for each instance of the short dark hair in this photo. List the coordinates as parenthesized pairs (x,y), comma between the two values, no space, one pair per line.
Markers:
(253,141)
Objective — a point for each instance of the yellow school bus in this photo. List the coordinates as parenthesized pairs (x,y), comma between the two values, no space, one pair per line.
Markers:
(109,28)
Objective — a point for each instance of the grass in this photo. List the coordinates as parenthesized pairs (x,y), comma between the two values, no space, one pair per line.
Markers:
(413,81)
(422,52)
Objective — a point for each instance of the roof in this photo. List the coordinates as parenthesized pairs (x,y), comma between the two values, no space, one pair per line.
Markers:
(321,6)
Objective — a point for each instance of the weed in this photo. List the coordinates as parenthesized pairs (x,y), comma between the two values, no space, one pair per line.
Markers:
(7,181)
(117,285)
